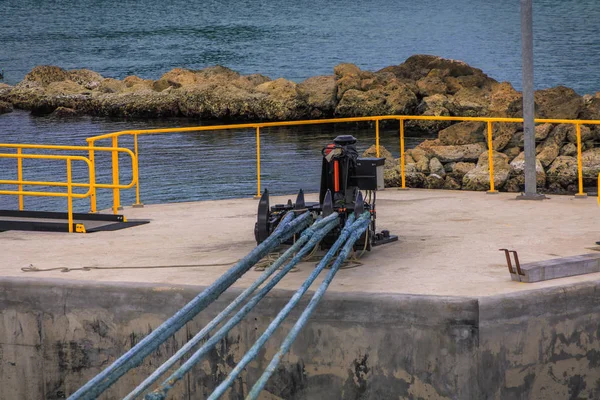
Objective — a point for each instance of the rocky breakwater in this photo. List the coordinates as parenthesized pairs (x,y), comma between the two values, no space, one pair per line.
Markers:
(423,85)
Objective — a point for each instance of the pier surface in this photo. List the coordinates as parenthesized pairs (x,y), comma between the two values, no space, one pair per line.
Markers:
(448,244)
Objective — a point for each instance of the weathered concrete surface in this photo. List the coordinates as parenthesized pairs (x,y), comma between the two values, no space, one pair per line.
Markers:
(542,344)
(58,334)
(448,244)
(557,268)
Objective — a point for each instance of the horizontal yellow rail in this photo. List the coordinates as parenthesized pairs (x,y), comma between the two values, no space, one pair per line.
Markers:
(401,118)
(92,183)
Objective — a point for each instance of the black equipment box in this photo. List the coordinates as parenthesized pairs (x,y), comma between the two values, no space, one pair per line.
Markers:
(369,173)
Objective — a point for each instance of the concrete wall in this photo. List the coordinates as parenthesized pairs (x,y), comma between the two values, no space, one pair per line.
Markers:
(55,335)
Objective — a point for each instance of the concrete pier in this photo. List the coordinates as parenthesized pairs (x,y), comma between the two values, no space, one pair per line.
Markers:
(434,316)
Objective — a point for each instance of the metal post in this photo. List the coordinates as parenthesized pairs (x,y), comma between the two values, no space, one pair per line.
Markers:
(257,162)
(115,172)
(491,158)
(138,203)
(528,101)
(20,177)
(580,194)
(92,159)
(402,156)
(69,195)
(377,137)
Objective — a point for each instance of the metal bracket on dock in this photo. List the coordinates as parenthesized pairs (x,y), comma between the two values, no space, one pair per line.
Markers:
(509,263)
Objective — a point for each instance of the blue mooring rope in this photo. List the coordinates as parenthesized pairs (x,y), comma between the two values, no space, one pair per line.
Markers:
(161,392)
(306,235)
(91,390)
(349,227)
(362,225)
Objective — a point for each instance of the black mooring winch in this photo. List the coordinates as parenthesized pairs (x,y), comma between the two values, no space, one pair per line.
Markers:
(343,175)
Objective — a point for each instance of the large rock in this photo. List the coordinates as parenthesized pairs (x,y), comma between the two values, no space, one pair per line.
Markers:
(590,162)
(86,78)
(586,132)
(467,152)
(363,93)
(562,172)
(559,102)
(421,158)
(502,134)
(65,88)
(5,107)
(148,104)
(393,177)
(435,105)
(550,148)
(471,102)
(46,74)
(390,162)
(218,101)
(432,84)
(569,149)
(436,167)
(518,167)
(182,76)
(164,84)
(463,133)
(454,74)
(479,177)
(460,169)
(282,101)
(63,112)
(451,184)
(505,101)
(512,152)
(434,181)
(110,85)
(542,131)
(319,93)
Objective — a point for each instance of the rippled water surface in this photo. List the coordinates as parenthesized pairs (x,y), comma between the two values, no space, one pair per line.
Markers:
(291,39)
(298,39)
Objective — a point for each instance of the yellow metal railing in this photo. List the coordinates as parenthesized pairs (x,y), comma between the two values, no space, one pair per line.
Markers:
(257,126)
(92,185)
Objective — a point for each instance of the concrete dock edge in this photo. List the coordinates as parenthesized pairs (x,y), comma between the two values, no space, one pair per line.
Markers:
(538,344)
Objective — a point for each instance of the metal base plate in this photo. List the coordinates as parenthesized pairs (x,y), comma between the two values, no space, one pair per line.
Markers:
(389,239)
(536,196)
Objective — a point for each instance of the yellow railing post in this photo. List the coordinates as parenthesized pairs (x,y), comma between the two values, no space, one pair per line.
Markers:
(257,161)
(69,195)
(377,137)
(91,157)
(136,169)
(491,156)
(580,194)
(402,159)
(20,177)
(115,174)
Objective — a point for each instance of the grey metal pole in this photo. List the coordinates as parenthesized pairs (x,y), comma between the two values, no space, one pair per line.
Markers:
(528,100)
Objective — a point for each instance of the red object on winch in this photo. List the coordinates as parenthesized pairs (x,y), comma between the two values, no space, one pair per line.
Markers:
(329,148)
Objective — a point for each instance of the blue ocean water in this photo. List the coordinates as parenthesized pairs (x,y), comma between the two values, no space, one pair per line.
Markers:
(298,39)
(290,39)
